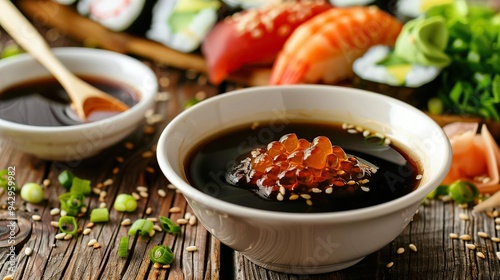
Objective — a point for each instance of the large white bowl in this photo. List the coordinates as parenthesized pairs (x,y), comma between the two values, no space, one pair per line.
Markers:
(76,142)
(305,242)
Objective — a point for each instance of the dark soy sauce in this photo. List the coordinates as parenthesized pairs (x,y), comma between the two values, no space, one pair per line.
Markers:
(209,161)
(43,102)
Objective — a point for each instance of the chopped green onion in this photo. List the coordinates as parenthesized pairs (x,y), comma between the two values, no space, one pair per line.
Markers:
(169,226)
(80,186)
(161,254)
(123,247)
(435,106)
(32,193)
(10,50)
(66,179)
(143,226)
(68,220)
(439,191)
(190,102)
(99,215)
(125,203)
(463,191)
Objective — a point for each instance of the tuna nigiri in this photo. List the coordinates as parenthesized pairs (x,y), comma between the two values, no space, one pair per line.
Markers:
(254,35)
(324,48)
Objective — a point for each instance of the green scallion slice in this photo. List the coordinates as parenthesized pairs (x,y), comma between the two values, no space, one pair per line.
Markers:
(143,226)
(66,179)
(123,247)
(64,221)
(161,254)
(125,203)
(168,225)
(80,186)
(99,215)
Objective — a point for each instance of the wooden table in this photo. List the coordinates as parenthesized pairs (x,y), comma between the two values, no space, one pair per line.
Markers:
(132,163)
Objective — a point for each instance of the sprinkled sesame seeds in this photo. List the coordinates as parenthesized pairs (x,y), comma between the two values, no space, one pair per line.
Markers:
(481,255)
(412,247)
(470,246)
(389,265)
(453,235)
(400,250)
(191,248)
(463,216)
(465,237)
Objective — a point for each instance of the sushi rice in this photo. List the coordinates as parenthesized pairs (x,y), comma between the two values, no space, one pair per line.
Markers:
(367,67)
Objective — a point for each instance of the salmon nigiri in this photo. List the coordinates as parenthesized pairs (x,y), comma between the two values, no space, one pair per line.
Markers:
(324,48)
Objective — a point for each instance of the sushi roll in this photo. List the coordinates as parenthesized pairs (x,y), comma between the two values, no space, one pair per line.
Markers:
(408,71)
(182,25)
(247,4)
(130,16)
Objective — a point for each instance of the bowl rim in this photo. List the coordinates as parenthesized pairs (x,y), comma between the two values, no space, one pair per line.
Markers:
(80,52)
(306,218)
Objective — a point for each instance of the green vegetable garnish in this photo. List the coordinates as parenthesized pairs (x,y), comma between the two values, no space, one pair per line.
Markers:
(143,226)
(190,102)
(80,186)
(123,247)
(64,221)
(439,191)
(66,179)
(169,226)
(161,254)
(125,203)
(32,193)
(463,191)
(99,215)
(10,50)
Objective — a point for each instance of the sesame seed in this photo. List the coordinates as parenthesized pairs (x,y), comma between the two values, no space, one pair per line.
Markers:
(60,236)
(365,189)
(389,265)
(352,131)
(149,210)
(136,195)
(157,265)
(463,216)
(191,248)
(126,222)
(400,250)
(305,196)
(36,217)
(497,227)
(282,191)
(316,190)
(453,235)
(279,197)
(470,246)
(329,190)
(97,245)
(120,159)
(162,193)
(174,209)
(8,277)
(419,176)
(293,197)
(28,251)
(498,255)
(483,234)
(152,219)
(108,182)
(129,145)
(495,239)
(102,205)
(192,220)
(147,154)
(351,182)
(413,247)
(309,202)
(481,255)
(87,231)
(90,225)
(92,242)
(115,170)
(46,182)
(55,211)
(187,215)
(54,224)
(165,266)
(68,236)
(157,228)
(182,221)
(171,187)
(465,237)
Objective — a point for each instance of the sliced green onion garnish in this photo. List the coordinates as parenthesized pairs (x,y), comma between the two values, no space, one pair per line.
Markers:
(66,179)
(161,254)
(32,193)
(123,247)
(463,191)
(143,226)
(68,220)
(80,186)
(169,226)
(125,203)
(99,215)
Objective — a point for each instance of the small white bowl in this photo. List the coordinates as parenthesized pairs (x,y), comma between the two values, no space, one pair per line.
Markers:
(76,142)
(305,242)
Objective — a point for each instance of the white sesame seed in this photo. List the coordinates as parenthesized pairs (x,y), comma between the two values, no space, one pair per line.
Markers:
(8,277)
(149,210)
(497,227)
(389,265)
(87,231)
(152,233)
(157,228)
(191,248)
(352,131)
(107,182)
(305,196)
(55,211)
(453,235)
(142,189)
(90,225)
(174,209)
(126,222)
(144,194)
(165,266)
(365,189)
(187,215)
(481,255)
(419,176)
(495,239)
(28,251)
(400,250)
(102,205)
(92,242)
(152,219)
(60,236)
(182,221)
(465,237)
(463,216)
(162,193)
(192,220)
(46,182)
(309,202)
(413,247)
(68,236)
(482,234)
(470,246)
(329,190)
(54,224)
(136,195)
(36,217)
(293,197)
(498,255)
(97,245)
(157,265)
(171,187)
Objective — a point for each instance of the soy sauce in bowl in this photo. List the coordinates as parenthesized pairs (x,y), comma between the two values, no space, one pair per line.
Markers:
(43,102)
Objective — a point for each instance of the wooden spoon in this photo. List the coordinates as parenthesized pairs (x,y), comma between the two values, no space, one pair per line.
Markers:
(85,98)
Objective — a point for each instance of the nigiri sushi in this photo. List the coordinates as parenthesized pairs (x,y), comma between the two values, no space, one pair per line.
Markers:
(324,48)
(254,35)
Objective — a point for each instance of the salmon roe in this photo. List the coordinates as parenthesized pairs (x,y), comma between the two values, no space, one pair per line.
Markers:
(294,168)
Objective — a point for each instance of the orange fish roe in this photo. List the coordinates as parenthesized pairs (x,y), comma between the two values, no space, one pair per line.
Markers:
(293,167)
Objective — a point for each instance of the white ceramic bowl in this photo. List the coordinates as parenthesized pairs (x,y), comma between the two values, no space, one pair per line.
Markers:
(76,142)
(306,242)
